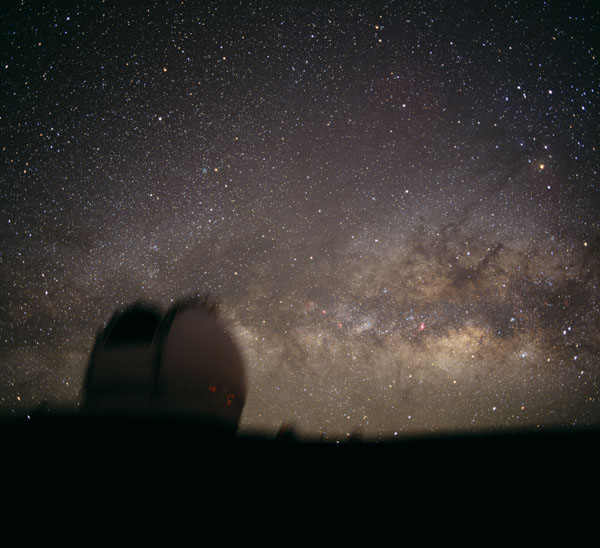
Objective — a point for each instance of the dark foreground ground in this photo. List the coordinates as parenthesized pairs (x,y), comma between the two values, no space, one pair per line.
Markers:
(96,445)
(105,475)
(66,465)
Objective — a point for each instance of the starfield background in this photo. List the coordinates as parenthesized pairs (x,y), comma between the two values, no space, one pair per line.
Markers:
(396,203)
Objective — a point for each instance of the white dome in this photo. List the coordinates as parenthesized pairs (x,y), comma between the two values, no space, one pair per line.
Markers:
(201,370)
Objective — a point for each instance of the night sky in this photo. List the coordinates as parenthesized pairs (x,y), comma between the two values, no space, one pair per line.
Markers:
(396,203)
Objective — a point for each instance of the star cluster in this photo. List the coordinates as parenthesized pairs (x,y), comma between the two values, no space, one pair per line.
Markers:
(396,205)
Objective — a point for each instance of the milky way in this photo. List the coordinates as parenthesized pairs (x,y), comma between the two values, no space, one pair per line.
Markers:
(396,206)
